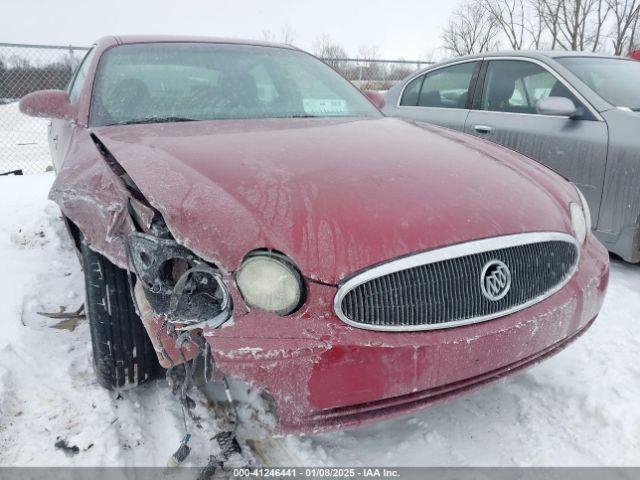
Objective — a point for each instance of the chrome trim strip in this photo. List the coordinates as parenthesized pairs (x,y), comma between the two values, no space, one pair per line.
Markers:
(448,253)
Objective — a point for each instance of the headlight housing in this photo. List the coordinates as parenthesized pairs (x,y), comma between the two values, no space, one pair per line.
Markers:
(580,217)
(270,281)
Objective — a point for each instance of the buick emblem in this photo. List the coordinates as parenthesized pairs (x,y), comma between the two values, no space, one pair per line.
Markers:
(495,280)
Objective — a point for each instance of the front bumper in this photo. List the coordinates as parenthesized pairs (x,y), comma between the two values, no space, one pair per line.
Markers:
(324,374)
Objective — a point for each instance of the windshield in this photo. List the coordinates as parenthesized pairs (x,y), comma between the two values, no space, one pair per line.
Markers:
(615,80)
(160,82)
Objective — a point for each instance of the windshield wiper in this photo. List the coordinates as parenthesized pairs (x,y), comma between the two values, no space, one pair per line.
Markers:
(155,119)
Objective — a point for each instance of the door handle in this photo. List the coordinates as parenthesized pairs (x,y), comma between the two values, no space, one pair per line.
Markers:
(484,129)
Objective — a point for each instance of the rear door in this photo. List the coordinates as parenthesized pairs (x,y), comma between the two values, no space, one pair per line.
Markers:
(504,112)
(440,96)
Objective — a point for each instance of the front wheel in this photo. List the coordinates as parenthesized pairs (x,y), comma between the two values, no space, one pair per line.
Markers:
(123,354)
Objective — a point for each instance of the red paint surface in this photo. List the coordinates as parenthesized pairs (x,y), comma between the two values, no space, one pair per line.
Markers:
(337,196)
(324,374)
(635,55)
(47,104)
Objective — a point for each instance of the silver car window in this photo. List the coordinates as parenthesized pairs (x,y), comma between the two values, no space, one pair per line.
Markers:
(615,80)
(446,87)
(516,86)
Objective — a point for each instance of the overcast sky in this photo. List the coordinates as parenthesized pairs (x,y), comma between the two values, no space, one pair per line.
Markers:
(402,28)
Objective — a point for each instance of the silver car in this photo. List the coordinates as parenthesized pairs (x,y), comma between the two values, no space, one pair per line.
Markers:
(577,113)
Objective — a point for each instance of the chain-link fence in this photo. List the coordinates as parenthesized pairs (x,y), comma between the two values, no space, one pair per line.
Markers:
(27,68)
(374,74)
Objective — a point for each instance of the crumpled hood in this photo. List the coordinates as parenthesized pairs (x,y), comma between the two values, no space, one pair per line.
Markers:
(335,195)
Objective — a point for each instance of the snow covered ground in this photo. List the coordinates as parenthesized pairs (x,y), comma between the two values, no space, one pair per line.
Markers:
(23,141)
(579,408)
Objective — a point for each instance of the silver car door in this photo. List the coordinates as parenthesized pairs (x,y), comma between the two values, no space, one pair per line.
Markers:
(505,112)
(440,96)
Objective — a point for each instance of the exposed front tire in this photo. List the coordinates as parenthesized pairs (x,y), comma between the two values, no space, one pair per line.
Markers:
(122,352)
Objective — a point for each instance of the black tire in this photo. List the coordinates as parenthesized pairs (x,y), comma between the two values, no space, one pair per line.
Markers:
(123,355)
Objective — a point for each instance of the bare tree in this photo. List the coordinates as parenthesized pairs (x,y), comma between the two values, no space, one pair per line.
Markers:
(331,52)
(479,25)
(625,18)
(574,24)
(549,14)
(471,29)
(369,52)
(633,40)
(325,47)
(287,35)
(581,23)
(510,16)
(536,27)
(368,68)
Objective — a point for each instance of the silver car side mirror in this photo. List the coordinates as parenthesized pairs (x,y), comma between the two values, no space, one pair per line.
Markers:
(558,107)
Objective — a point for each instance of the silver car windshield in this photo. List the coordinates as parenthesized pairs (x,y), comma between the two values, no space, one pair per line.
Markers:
(615,80)
(166,82)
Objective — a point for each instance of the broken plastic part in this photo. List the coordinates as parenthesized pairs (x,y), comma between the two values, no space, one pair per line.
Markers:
(141,214)
(198,290)
(152,258)
(188,291)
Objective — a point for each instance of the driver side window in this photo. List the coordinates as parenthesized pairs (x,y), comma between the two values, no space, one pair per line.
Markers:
(516,86)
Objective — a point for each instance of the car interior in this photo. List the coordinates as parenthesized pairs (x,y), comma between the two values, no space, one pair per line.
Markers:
(517,86)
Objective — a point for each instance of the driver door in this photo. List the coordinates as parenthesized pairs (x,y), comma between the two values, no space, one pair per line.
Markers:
(505,113)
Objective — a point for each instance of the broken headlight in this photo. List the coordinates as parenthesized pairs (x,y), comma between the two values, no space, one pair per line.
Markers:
(270,281)
(177,283)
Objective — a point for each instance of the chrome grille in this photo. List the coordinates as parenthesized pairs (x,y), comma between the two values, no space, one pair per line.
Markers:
(443,288)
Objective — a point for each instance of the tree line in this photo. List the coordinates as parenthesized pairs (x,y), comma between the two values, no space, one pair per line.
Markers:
(20,76)
(608,26)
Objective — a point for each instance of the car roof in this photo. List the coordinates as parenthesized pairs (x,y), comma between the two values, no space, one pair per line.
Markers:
(535,54)
(134,39)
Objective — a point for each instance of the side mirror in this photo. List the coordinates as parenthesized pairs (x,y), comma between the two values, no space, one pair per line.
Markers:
(376,98)
(557,106)
(47,104)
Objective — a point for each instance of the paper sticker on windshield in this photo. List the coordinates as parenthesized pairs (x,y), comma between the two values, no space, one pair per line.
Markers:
(322,106)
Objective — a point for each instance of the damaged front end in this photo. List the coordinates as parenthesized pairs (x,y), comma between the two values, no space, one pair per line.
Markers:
(177,293)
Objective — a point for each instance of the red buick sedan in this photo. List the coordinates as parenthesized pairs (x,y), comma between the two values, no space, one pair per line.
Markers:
(242,202)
